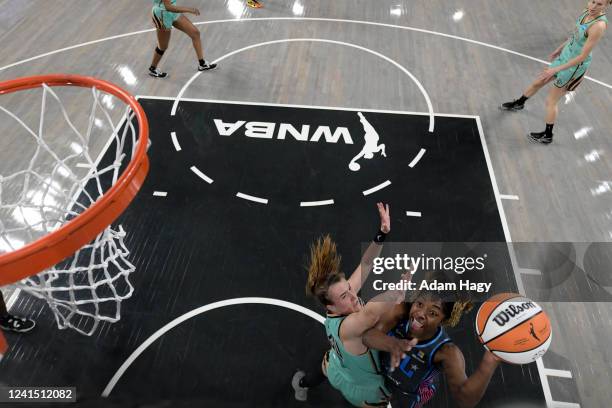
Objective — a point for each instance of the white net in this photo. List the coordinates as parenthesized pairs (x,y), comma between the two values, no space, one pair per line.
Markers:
(53,177)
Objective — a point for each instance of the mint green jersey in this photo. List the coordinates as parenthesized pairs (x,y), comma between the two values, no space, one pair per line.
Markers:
(572,49)
(358,377)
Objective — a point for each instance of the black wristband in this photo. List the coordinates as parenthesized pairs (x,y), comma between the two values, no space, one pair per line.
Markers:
(380,236)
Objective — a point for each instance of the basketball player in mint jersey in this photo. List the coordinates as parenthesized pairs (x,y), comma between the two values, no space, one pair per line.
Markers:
(166,14)
(412,378)
(350,367)
(570,62)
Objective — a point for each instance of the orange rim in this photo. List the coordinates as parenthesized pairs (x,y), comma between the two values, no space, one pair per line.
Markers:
(66,240)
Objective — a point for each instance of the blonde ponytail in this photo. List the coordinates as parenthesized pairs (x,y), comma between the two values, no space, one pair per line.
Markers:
(323,268)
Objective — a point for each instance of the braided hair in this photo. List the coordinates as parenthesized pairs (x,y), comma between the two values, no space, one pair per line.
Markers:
(453,309)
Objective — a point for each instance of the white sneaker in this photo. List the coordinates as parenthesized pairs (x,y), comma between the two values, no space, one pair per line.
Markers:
(206,66)
(157,73)
(16,324)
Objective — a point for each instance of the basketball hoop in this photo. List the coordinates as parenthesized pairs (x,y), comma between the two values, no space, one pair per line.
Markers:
(56,238)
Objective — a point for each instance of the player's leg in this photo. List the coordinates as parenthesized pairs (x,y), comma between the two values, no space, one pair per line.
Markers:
(163,39)
(304,380)
(552,99)
(186,26)
(531,90)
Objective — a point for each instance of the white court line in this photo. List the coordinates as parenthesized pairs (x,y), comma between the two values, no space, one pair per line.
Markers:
(346,44)
(332,20)
(316,203)
(378,187)
(417,158)
(160,193)
(515,266)
(12,299)
(252,198)
(413,213)
(203,309)
(175,141)
(291,105)
(557,373)
(201,175)
(559,404)
(530,271)
(83,165)
(509,197)
(500,207)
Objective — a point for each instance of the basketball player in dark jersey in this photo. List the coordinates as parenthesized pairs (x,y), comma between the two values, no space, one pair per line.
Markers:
(411,376)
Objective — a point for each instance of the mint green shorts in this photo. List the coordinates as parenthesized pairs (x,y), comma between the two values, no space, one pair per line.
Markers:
(375,394)
(163,19)
(570,77)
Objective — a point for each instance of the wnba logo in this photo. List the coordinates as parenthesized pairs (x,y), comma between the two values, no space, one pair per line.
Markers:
(511,311)
(304,133)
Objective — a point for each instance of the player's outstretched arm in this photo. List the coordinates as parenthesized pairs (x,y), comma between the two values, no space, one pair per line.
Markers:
(466,391)
(373,251)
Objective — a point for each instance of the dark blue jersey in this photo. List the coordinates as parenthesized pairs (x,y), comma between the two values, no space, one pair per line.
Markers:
(415,377)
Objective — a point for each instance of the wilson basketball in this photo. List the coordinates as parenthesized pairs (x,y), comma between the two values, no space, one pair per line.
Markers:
(514,328)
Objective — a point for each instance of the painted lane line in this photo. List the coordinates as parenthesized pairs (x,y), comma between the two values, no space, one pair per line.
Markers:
(175,142)
(201,175)
(509,197)
(513,259)
(316,203)
(557,373)
(252,198)
(413,213)
(160,193)
(417,158)
(530,271)
(500,209)
(320,40)
(293,105)
(332,20)
(378,187)
(559,404)
(195,312)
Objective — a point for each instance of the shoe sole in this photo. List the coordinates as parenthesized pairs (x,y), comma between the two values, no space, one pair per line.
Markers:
(207,69)
(511,109)
(18,330)
(296,388)
(536,140)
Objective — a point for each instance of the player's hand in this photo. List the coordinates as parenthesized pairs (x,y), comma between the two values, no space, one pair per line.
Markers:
(385,218)
(405,278)
(490,358)
(554,55)
(195,11)
(547,74)
(398,350)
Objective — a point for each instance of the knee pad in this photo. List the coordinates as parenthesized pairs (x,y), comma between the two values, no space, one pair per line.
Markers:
(160,52)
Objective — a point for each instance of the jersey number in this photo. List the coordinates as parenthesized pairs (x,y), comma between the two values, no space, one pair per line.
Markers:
(334,346)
